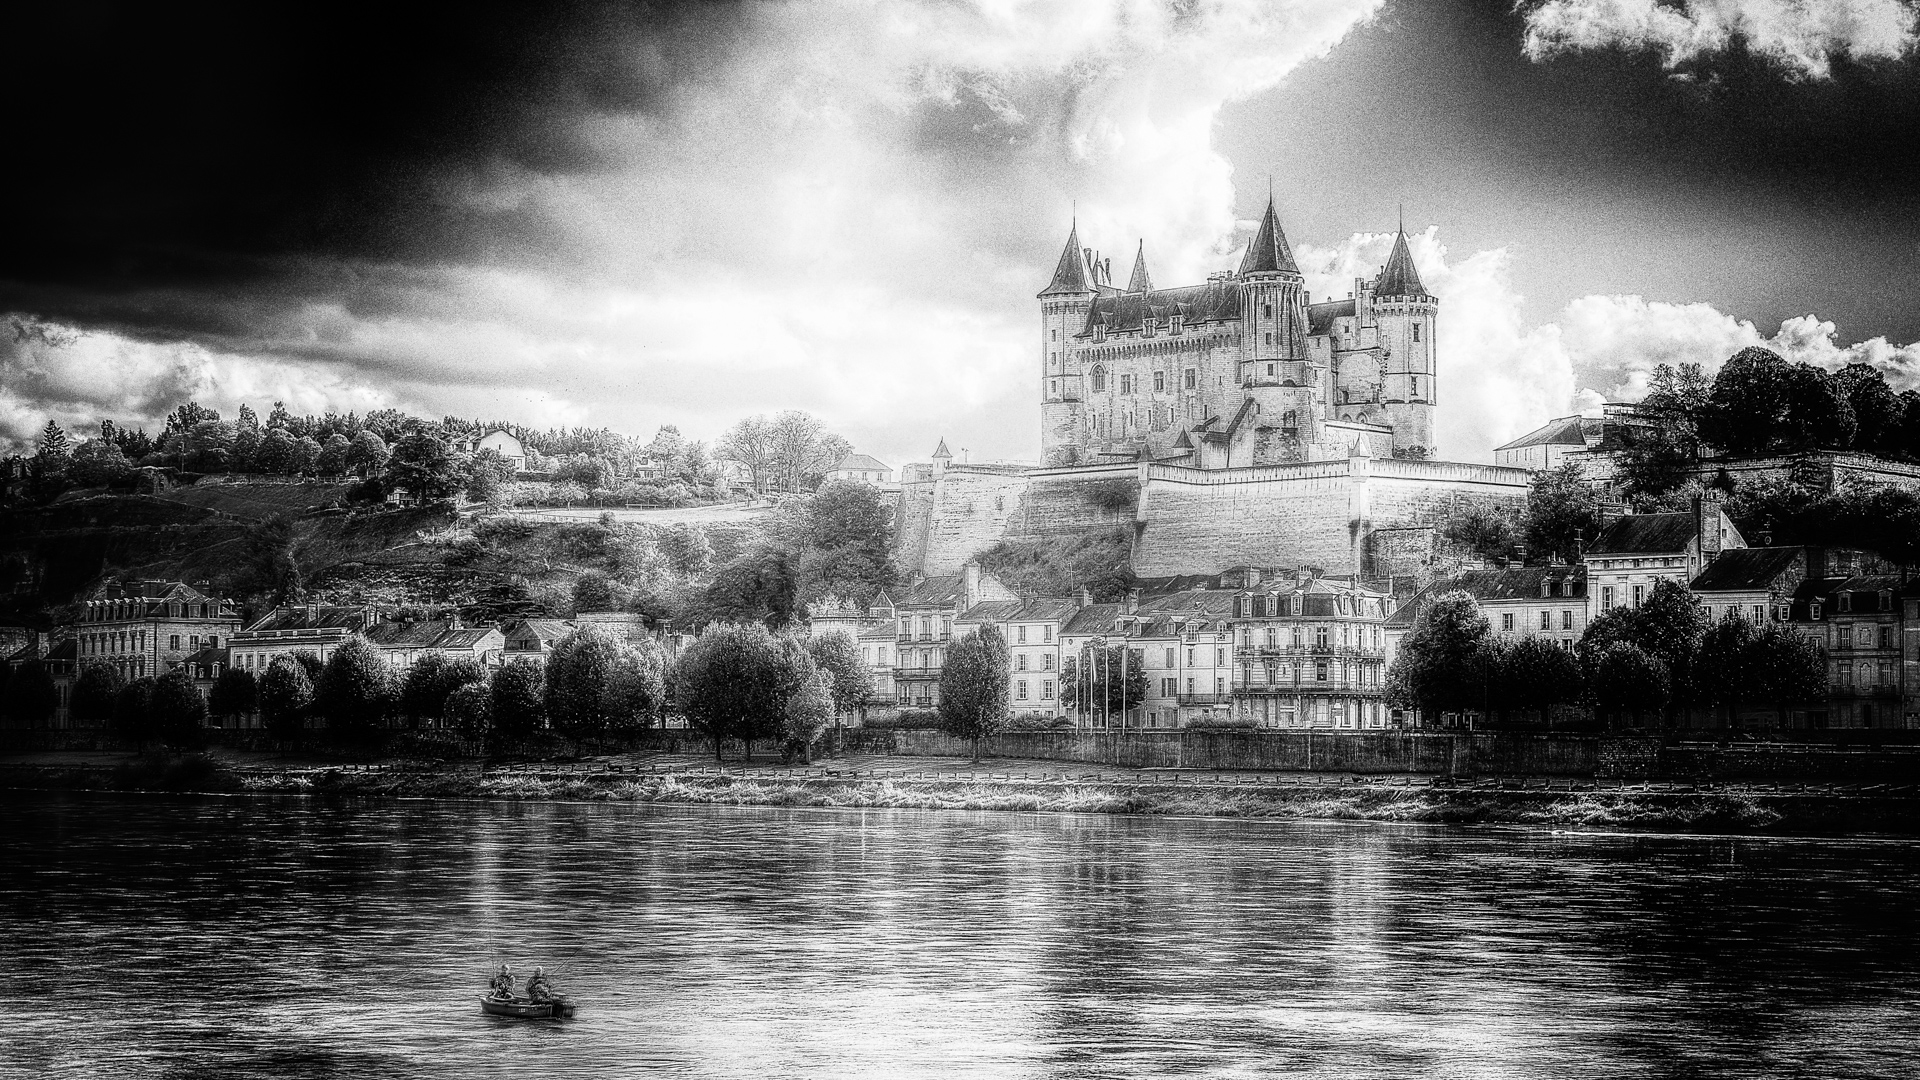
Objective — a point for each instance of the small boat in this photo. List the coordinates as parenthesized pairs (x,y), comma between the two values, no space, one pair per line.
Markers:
(526,1009)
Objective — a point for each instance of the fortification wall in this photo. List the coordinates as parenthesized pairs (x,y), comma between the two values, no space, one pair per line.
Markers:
(1198,522)
(971,510)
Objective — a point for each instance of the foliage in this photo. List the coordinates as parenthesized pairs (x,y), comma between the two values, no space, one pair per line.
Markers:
(424,467)
(93,694)
(357,689)
(517,698)
(907,720)
(1490,533)
(179,712)
(686,548)
(1761,404)
(235,693)
(1562,508)
(1099,560)
(99,463)
(838,656)
(428,682)
(1534,673)
(469,709)
(790,452)
(598,684)
(758,586)
(848,543)
(1741,663)
(809,700)
(286,693)
(1112,494)
(975,686)
(1623,677)
(31,695)
(1114,683)
(1446,660)
(731,683)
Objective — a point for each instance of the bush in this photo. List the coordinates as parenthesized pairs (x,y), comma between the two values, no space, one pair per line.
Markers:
(907,720)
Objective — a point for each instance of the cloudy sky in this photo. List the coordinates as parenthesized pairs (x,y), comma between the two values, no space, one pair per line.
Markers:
(630,214)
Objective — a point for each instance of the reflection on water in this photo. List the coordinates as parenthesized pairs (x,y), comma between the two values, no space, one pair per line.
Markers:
(288,938)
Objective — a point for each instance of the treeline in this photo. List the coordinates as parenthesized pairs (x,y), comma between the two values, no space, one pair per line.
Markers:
(1641,666)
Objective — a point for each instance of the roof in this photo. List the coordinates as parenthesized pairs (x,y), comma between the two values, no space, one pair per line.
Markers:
(1566,431)
(861,462)
(1070,276)
(305,617)
(942,451)
(941,591)
(1269,252)
(1636,534)
(1161,617)
(1746,568)
(1320,316)
(207,656)
(1015,611)
(544,629)
(1494,586)
(1140,282)
(408,634)
(1399,278)
(465,637)
(1215,301)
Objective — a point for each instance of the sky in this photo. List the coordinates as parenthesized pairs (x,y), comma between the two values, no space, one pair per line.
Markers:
(635,214)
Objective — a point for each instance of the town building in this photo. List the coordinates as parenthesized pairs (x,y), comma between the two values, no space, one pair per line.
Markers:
(298,628)
(1858,619)
(861,468)
(1032,629)
(144,628)
(1547,446)
(1312,653)
(877,643)
(1637,551)
(1182,642)
(923,615)
(404,639)
(1756,583)
(533,639)
(502,442)
(1519,602)
(1241,370)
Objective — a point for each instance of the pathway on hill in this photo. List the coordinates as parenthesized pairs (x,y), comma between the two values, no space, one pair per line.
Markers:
(696,515)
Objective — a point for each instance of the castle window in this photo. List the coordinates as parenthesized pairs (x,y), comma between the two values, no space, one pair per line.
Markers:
(1269,337)
(1290,420)
(1056,388)
(1099,331)
(1056,335)
(1099,379)
(1416,331)
(1176,324)
(1272,369)
(1159,381)
(1192,378)
(1266,312)
(1146,328)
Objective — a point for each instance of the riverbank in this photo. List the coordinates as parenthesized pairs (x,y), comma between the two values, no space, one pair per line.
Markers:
(1031,786)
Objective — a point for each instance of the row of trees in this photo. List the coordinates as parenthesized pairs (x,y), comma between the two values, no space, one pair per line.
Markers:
(791,451)
(1653,661)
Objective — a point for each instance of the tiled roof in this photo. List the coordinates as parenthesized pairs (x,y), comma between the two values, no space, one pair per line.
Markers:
(207,656)
(410,634)
(1320,316)
(1269,251)
(1746,568)
(1492,586)
(544,629)
(467,637)
(941,591)
(1070,276)
(1013,611)
(302,617)
(1566,431)
(1399,278)
(1215,301)
(861,462)
(1645,534)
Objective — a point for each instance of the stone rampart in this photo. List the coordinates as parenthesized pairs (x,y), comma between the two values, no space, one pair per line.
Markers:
(970,512)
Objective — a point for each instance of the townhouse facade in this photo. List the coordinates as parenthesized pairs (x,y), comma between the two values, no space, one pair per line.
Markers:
(144,628)
(1313,653)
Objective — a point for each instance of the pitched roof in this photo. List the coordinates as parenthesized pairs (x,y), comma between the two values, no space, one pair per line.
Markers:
(408,634)
(1070,276)
(1320,316)
(1216,301)
(941,451)
(1566,431)
(304,617)
(1746,568)
(1399,278)
(1492,586)
(207,656)
(1269,252)
(1636,534)
(1140,282)
(1046,609)
(862,463)
(544,629)
(941,591)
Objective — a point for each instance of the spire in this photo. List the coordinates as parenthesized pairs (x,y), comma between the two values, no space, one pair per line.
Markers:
(941,451)
(1269,252)
(1399,278)
(1140,281)
(1071,275)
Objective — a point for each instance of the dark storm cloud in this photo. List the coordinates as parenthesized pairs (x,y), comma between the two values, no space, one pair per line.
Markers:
(209,147)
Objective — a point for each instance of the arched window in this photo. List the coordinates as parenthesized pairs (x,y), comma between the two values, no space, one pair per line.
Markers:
(1099,379)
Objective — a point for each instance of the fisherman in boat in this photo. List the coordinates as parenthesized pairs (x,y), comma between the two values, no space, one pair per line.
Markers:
(501,985)
(538,988)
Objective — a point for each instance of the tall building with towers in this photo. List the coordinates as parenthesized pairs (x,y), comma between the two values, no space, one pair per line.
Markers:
(1242,370)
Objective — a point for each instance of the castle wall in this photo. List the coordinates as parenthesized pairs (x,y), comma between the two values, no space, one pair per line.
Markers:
(1204,521)
(970,510)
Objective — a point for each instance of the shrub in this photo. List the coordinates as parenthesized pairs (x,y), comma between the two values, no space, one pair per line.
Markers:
(907,720)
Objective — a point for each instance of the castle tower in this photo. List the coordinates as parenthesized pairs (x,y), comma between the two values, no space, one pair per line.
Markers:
(1275,369)
(1405,312)
(1063,313)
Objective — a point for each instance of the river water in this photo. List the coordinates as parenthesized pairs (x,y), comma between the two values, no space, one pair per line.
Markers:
(292,938)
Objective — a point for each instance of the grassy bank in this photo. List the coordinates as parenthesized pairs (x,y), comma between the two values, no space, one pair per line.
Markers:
(1716,811)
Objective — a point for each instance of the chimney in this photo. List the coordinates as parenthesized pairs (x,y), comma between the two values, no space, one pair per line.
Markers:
(970,587)
(1133,601)
(1086,596)
(313,611)
(1253,577)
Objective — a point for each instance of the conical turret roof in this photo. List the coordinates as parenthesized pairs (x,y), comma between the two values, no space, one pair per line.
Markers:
(1269,252)
(1071,275)
(1140,282)
(941,451)
(1399,278)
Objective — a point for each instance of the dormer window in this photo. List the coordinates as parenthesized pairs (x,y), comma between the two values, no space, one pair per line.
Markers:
(1546,589)
(1146,327)
(1177,324)
(1846,601)
(1099,331)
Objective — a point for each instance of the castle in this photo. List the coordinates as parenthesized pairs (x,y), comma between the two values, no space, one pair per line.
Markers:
(1243,370)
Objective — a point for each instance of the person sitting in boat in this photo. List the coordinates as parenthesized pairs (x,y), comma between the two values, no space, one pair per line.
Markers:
(501,985)
(538,988)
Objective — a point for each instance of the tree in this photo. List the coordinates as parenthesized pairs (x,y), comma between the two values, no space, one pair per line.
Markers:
(209,446)
(332,459)
(848,534)
(179,712)
(1790,669)
(368,453)
(490,471)
(1445,663)
(1535,674)
(183,417)
(1561,509)
(425,468)
(286,695)
(93,695)
(275,456)
(516,698)
(356,690)
(52,452)
(306,454)
(598,684)
(34,696)
(751,443)
(1667,627)
(731,684)
(593,592)
(1761,404)
(99,463)
(1103,681)
(809,701)
(758,586)
(235,694)
(975,683)
(133,710)
(686,548)
(836,654)
(425,687)
(1624,678)
(1488,532)
(1878,412)
(802,450)
(469,710)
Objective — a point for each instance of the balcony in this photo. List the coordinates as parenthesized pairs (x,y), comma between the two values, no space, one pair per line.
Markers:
(1361,652)
(917,673)
(1308,688)
(1206,699)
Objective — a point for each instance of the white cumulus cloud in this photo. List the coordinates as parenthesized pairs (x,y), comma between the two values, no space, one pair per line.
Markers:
(1802,35)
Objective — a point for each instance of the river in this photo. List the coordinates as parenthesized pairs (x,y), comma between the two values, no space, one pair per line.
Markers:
(189,937)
